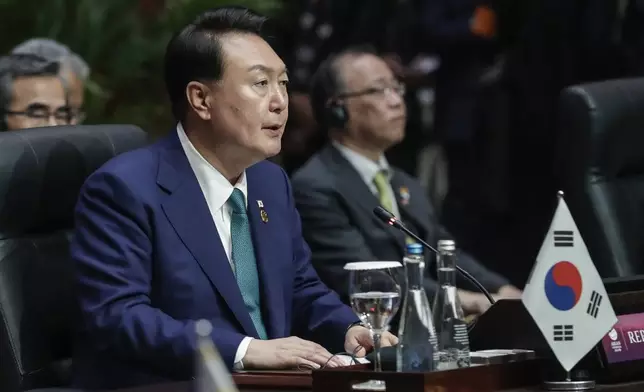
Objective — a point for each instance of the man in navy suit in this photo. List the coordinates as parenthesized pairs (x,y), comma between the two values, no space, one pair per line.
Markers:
(200,226)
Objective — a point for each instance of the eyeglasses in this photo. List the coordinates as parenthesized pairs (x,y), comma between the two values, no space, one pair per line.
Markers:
(65,114)
(397,88)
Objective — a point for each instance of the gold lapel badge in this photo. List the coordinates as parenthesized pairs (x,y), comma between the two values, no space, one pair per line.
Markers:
(262,211)
(403,192)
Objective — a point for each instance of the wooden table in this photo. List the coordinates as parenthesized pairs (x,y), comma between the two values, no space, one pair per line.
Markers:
(519,376)
(186,387)
(628,387)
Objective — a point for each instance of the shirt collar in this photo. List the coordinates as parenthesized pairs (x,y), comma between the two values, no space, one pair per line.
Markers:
(216,188)
(363,165)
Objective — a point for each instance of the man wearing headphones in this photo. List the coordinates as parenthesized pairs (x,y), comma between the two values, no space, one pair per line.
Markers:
(31,93)
(358,101)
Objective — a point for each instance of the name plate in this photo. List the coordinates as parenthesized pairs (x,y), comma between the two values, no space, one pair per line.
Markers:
(625,342)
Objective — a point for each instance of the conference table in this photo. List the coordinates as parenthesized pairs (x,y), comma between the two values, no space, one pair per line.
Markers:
(186,387)
(293,382)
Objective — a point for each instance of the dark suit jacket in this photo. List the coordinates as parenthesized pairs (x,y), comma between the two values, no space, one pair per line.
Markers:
(149,263)
(338,223)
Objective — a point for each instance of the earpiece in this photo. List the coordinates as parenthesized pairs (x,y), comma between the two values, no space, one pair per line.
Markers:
(336,115)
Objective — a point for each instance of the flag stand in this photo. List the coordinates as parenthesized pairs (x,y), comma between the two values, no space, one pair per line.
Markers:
(568,385)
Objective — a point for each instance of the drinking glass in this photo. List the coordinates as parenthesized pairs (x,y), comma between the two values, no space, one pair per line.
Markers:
(375,294)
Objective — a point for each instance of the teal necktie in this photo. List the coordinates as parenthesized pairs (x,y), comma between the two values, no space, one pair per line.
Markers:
(243,255)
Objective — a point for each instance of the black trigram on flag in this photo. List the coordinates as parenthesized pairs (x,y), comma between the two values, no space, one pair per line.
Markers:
(563,238)
(562,333)
(593,305)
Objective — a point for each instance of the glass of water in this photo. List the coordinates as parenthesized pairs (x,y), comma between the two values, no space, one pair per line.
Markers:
(375,294)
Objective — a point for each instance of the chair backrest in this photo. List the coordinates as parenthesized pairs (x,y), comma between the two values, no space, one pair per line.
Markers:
(600,160)
(41,172)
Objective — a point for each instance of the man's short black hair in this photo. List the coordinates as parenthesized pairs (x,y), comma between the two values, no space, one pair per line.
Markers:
(195,52)
(327,82)
(21,65)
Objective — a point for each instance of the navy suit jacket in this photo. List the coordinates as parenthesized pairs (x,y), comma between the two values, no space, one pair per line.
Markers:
(149,263)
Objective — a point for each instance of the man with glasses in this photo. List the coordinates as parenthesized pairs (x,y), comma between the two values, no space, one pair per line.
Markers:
(359,102)
(31,93)
(73,70)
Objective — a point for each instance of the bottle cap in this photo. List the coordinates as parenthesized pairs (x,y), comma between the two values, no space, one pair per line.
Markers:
(414,249)
(446,245)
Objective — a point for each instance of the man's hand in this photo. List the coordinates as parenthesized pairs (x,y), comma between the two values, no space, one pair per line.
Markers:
(473,303)
(287,353)
(360,336)
(509,292)
(477,303)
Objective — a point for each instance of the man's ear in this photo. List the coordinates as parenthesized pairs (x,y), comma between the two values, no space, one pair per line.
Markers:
(199,97)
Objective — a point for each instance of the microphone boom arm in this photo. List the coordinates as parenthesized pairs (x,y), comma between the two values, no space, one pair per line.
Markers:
(391,220)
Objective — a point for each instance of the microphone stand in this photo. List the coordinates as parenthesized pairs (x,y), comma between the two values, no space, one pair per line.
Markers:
(391,220)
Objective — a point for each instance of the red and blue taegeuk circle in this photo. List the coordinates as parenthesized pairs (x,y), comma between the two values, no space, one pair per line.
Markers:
(563,285)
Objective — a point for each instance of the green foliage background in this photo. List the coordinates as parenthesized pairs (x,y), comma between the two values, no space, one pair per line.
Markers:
(123,42)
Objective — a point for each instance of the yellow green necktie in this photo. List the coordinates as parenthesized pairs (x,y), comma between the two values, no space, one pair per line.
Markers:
(381,182)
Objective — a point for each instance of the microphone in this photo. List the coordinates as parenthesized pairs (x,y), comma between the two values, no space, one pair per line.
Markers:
(390,219)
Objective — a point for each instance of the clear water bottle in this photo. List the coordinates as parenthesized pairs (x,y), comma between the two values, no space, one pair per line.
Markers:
(417,346)
(451,328)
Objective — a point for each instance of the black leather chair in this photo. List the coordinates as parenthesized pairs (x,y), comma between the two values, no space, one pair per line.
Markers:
(41,172)
(600,161)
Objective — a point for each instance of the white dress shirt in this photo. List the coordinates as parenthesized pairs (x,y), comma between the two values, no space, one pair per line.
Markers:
(216,190)
(368,170)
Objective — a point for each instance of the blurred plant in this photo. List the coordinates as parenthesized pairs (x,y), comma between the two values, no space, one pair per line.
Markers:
(123,42)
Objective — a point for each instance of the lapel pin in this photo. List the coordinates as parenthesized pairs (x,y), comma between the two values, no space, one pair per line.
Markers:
(262,211)
(403,192)
(264,215)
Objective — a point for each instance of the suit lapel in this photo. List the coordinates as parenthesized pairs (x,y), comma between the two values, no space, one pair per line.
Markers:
(265,237)
(187,211)
(353,187)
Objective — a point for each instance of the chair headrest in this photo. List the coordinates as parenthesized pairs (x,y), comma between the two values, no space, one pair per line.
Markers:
(607,118)
(43,169)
